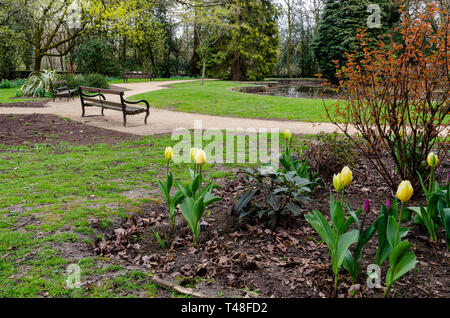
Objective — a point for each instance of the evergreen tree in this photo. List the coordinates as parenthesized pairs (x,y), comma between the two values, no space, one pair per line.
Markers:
(340,22)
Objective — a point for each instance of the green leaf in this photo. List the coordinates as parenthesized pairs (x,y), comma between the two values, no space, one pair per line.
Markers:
(163,189)
(244,200)
(320,224)
(391,231)
(343,244)
(338,217)
(401,261)
(294,208)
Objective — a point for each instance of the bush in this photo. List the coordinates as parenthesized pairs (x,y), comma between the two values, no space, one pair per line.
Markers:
(38,85)
(95,56)
(96,80)
(91,80)
(395,97)
(330,152)
(12,84)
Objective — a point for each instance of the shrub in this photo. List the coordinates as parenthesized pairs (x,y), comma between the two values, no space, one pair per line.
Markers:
(95,55)
(96,80)
(11,84)
(275,194)
(396,97)
(38,85)
(330,152)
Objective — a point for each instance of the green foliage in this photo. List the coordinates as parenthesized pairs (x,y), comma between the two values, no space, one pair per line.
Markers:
(172,200)
(401,261)
(339,24)
(195,202)
(95,55)
(437,212)
(336,237)
(284,189)
(12,84)
(90,80)
(249,50)
(38,85)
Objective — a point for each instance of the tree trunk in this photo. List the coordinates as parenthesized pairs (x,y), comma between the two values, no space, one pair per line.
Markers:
(238,68)
(37,61)
(288,53)
(203,70)
(195,56)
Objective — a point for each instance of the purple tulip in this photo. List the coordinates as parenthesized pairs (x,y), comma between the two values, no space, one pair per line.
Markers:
(448,177)
(388,205)
(366,206)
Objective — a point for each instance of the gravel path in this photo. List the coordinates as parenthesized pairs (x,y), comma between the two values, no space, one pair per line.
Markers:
(160,120)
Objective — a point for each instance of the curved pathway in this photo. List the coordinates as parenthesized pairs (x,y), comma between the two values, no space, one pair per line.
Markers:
(160,120)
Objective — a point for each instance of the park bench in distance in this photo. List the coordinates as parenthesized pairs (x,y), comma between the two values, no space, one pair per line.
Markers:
(128,75)
(98,99)
(60,89)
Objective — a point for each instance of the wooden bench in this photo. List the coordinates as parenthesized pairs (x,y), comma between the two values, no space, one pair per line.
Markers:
(60,89)
(98,99)
(128,75)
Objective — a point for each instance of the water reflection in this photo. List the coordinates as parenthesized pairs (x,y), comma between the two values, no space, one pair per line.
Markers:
(290,89)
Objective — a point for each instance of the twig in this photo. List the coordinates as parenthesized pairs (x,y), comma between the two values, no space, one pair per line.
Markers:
(20,225)
(171,285)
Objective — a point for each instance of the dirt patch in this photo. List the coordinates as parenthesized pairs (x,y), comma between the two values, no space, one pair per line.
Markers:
(49,129)
(32,103)
(285,262)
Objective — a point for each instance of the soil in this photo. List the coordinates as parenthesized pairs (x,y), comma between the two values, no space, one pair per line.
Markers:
(243,258)
(31,103)
(285,262)
(49,129)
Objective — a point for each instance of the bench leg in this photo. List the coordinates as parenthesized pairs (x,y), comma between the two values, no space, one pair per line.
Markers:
(147,113)
(102,112)
(124,120)
(82,111)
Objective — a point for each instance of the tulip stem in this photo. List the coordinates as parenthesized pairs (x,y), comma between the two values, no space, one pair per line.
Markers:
(167,168)
(398,225)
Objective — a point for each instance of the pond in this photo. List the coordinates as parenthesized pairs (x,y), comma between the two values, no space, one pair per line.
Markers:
(290,88)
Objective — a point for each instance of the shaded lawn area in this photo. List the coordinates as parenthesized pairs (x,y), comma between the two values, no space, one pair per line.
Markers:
(7,96)
(58,197)
(217,98)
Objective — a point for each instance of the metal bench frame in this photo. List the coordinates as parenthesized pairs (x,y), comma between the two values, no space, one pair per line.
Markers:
(90,100)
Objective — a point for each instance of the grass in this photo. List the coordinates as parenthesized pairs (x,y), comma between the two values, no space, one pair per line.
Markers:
(6,95)
(73,192)
(216,98)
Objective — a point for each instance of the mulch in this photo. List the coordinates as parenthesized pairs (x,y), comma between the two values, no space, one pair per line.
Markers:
(288,261)
(49,129)
(243,257)
(32,103)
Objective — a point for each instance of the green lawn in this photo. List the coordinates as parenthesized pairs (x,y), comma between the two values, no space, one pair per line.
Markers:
(215,98)
(71,191)
(6,95)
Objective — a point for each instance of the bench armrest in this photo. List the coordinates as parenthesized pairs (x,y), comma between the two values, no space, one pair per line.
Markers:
(137,102)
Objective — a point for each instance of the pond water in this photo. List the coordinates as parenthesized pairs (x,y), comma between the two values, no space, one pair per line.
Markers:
(286,88)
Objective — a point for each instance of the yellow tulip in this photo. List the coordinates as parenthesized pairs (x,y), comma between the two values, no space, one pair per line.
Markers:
(168,153)
(404,191)
(432,159)
(346,176)
(287,134)
(200,157)
(193,153)
(337,182)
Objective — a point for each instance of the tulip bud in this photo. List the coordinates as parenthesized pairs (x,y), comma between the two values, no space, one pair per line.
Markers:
(337,183)
(404,191)
(287,134)
(168,153)
(193,152)
(432,159)
(366,206)
(200,157)
(388,205)
(346,176)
